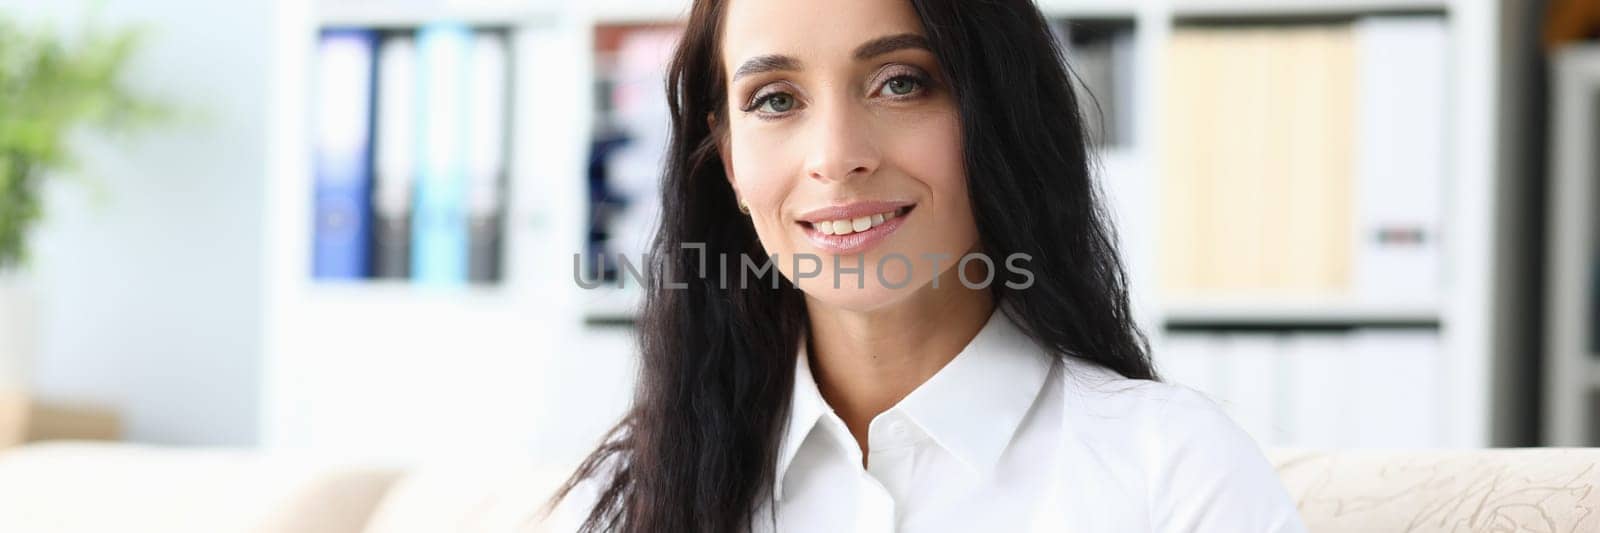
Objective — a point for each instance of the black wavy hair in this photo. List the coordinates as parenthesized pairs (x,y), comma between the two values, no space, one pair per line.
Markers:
(697,451)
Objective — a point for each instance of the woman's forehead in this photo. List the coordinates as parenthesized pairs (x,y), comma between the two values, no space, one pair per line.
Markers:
(824,30)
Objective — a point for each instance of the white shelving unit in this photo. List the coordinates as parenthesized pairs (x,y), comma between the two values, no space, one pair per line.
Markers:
(1234,9)
(1465,313)
(378,14)
(405,371)
(1291,312)
(411,371)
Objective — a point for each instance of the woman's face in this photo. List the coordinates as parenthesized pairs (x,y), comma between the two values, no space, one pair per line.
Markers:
(845,143)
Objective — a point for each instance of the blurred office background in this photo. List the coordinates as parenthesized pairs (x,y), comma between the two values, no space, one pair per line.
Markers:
(1356,223)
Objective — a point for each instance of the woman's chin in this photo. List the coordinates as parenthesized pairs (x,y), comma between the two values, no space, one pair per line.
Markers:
(848,296)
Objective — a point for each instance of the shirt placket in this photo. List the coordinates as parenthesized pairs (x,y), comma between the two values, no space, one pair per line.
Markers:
(891,446)
(875,510)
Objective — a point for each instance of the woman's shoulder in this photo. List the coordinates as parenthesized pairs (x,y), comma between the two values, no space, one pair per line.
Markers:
(1160,420)
(1098,391)
(1174,448)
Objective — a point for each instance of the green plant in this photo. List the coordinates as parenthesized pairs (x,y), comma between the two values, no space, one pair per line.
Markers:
(52,86)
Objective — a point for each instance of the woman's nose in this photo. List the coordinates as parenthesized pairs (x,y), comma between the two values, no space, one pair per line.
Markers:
(842,144)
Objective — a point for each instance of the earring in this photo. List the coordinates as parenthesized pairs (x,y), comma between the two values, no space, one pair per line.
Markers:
(743,208)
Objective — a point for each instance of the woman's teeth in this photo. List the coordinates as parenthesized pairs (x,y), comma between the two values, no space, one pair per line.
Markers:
(846,227)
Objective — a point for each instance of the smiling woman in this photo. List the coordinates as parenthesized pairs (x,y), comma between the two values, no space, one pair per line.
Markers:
(917,140)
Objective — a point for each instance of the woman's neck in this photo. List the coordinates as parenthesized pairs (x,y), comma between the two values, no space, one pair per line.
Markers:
(866,362)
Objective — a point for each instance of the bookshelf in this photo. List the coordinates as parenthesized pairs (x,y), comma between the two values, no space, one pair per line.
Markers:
(413,14)
(1572,281)
(1256,9)
(1291,313)
(393,366)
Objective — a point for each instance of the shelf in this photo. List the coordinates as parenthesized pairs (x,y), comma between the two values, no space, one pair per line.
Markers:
(1089,9)
(394,14)
(399,13)
(404,293)
(610,306)
(1293,313)
(403,337)
(1277,9)
(638,11)
(1118,156)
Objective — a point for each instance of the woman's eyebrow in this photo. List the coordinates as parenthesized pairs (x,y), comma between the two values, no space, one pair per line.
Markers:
(890,43)
(867,50)
(766,63)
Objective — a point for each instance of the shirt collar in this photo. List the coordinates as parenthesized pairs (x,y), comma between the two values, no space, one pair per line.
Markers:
(972,407)
(805,408)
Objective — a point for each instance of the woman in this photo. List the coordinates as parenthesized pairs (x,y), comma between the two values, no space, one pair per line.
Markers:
(869,381)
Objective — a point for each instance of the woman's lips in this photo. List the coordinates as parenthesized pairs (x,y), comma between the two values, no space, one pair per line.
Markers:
(852,210)
(840,236)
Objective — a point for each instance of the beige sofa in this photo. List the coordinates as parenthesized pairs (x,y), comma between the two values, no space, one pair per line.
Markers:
(1483,491)
(83,487)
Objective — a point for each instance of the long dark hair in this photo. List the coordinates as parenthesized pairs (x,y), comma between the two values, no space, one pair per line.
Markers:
(697,450)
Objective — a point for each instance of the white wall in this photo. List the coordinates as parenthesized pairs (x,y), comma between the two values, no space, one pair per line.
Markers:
(152,297)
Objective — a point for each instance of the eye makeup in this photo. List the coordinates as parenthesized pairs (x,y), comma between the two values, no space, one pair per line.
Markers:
(893,82)
(884,82)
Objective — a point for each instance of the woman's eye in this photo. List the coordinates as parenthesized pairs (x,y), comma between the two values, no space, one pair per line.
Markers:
(776,103)
(900,86)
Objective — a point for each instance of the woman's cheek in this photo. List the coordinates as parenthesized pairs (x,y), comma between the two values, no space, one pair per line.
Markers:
(935,157)
(757,165)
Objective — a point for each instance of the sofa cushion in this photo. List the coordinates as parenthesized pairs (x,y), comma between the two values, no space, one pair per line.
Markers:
(1510,490)
(71,486)
(483,495)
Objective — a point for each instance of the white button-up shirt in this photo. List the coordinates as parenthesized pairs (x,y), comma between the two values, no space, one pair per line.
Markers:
(1008,437)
